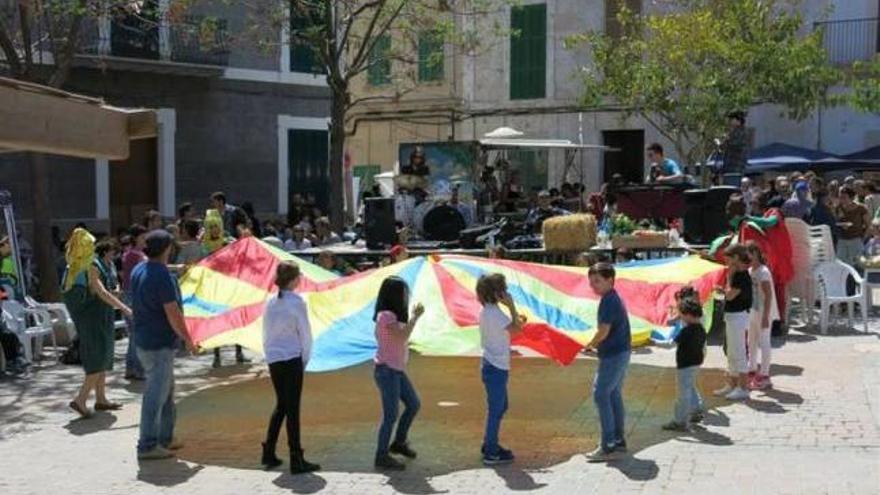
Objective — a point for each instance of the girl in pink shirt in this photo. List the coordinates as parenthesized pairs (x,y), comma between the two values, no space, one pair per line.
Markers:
(393,328)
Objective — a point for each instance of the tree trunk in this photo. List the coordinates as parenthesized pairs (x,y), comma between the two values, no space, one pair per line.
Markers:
(336,160)
(42,214)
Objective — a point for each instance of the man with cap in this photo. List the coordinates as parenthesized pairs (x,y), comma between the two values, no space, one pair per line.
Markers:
(543,211)
(736,145)
(159,325)
(798,206)
(398,253)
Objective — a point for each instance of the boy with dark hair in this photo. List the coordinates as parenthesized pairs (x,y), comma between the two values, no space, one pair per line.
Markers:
(663,169)
(612,342)
(689,357)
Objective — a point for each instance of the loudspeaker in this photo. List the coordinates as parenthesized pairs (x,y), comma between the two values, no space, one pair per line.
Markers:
(379,226)
(694,229)
(715,211)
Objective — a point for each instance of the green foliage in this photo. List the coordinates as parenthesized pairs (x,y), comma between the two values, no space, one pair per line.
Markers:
(684,71)
(622,225)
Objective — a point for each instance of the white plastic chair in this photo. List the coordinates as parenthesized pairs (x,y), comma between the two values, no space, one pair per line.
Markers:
(18,319)
(801,285)
(830,280)
(821,244)
(58,313)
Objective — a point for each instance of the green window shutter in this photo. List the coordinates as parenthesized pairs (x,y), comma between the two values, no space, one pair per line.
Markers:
(528,52)
(379,71)
(431,57)
(302,57)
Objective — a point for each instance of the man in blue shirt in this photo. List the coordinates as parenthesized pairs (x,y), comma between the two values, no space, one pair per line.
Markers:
(612,341)
(667,171)
(158,323)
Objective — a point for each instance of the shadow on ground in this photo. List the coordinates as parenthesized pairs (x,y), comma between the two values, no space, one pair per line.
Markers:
(166,473)
(551,419)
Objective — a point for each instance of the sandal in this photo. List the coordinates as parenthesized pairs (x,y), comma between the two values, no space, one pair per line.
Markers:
(83,412)
(107,406)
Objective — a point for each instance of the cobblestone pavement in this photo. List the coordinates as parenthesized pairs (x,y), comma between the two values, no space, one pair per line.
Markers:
(816,431)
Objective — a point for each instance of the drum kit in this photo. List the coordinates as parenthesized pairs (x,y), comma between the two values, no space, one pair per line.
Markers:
(431,216)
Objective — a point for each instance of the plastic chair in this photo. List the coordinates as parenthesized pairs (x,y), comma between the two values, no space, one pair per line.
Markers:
(821,244)
(58,314)
(830,279)
(801,286)
(18,318)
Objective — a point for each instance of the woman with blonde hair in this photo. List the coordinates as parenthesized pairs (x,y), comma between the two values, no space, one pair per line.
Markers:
(91,306)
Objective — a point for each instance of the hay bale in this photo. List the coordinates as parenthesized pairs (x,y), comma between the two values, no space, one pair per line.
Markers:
(569,233)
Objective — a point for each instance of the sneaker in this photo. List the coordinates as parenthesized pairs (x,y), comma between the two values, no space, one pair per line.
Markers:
(388,463)
(157,453)
(752,374)
(675,426)
(763,382)
(697,417)
(503,456)
(620,446)
(402,449)
(737,394)
(723,391)
(601,455)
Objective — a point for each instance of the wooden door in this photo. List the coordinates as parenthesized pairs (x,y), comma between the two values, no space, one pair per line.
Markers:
(134,187)
(629,161)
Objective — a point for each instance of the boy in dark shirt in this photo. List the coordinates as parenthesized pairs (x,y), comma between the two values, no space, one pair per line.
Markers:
(688,359)
(737,304)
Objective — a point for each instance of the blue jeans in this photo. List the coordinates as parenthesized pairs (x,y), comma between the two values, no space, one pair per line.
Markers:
(132,363)
(608,396)
(157,411)
(394,388)
(495,381)
(689,400)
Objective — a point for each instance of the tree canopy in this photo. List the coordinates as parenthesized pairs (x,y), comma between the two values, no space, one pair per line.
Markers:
(685,68)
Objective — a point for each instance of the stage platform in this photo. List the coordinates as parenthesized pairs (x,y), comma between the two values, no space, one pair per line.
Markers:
(353,253)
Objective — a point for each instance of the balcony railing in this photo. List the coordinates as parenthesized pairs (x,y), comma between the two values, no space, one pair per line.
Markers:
(851,40)
(192,39)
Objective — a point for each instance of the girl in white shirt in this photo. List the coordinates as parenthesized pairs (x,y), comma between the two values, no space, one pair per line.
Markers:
(287,342)
(496,329)
(764,312)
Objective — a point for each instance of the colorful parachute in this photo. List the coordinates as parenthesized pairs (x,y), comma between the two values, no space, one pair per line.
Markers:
(223,300)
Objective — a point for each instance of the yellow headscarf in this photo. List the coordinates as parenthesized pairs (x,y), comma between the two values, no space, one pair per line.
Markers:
(79,255)
(213,219)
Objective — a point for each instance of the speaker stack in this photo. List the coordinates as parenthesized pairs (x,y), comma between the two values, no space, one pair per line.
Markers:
(705,216)
(379,226)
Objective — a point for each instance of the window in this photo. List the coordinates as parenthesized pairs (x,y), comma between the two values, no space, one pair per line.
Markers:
(528,51)
(612,8)
(431,56)
(302,56)
(379,70)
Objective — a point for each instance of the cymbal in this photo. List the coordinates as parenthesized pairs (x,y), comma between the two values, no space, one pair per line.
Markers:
(410,182)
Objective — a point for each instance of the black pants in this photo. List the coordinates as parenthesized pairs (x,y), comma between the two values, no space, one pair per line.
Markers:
(287,379)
